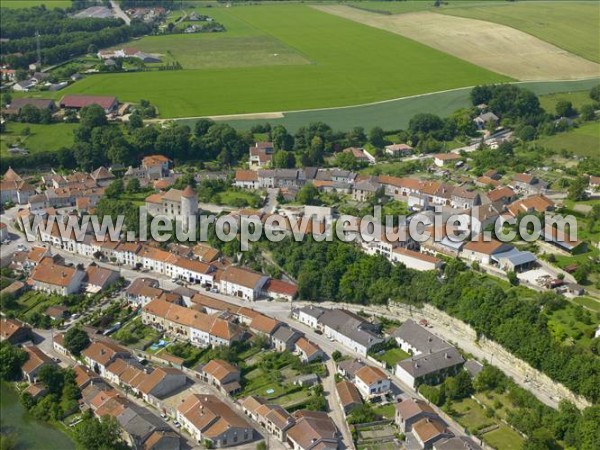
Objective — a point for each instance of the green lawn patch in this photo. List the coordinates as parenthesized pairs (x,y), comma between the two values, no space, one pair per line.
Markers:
(136,334)
(582,141)
(350,64)
(577,98)
(504,438)
(220,50)
(238,198)
(588,302)
(471,415)
(572,26)
(386,411)
(572,325)
(42,138)
(393,356)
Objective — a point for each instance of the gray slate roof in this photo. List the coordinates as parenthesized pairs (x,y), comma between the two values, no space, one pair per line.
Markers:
(287,335)
(419,337)
(425,364)
(351,326)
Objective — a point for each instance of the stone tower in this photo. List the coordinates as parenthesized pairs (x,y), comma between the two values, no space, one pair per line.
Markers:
(189,205)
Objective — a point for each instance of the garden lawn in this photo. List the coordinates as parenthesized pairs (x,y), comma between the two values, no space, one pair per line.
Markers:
(582,141)
(572,26)
(393,356)
(43,138)
(588,302)
(565,324)
(387,411)
(504,438)
(350,63)
(471,415)
(136,334)
(238,198)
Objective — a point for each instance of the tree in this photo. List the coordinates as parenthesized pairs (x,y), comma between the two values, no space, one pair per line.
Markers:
(284,160)
(92,116)
(356,137)
(425,123)
(459,386)
(577,190)
(11,360)
(587,112)
(30,114)
(53,377)
(282,140)
(481,94)
(308,194)
(76,340)
(202,126)
(490,378)
(377,137)
(526,133)
(336,355)
(262,445)
(512,277)
(581,274)
(564,108)
(21,75)
(595,93)
(347,160)
(133,186)
(102,434)
(135,121)
(6,99)
(115,189)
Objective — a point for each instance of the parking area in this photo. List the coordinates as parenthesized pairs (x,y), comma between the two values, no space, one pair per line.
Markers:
(536,277)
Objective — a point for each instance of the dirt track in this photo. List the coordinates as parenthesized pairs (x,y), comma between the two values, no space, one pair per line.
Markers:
(496,47)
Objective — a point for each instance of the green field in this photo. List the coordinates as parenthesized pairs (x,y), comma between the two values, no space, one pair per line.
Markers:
(395,114)
(572,26)
(584,141)
(30,3)
(208,51)
(42,138)
(350,64)
(578,98)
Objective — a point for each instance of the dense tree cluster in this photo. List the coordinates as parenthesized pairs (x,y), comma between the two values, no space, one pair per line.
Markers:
(11,360)
(61,37)
(76,340)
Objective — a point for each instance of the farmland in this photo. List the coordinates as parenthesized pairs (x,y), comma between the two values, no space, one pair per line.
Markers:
(572,26)
(41,138)
(497,47)
(30,3)
(350,63)
(393,114)
(582,141)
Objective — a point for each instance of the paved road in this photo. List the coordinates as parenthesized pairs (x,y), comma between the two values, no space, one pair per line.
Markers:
(119,12)
(271,201)
(335,410)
